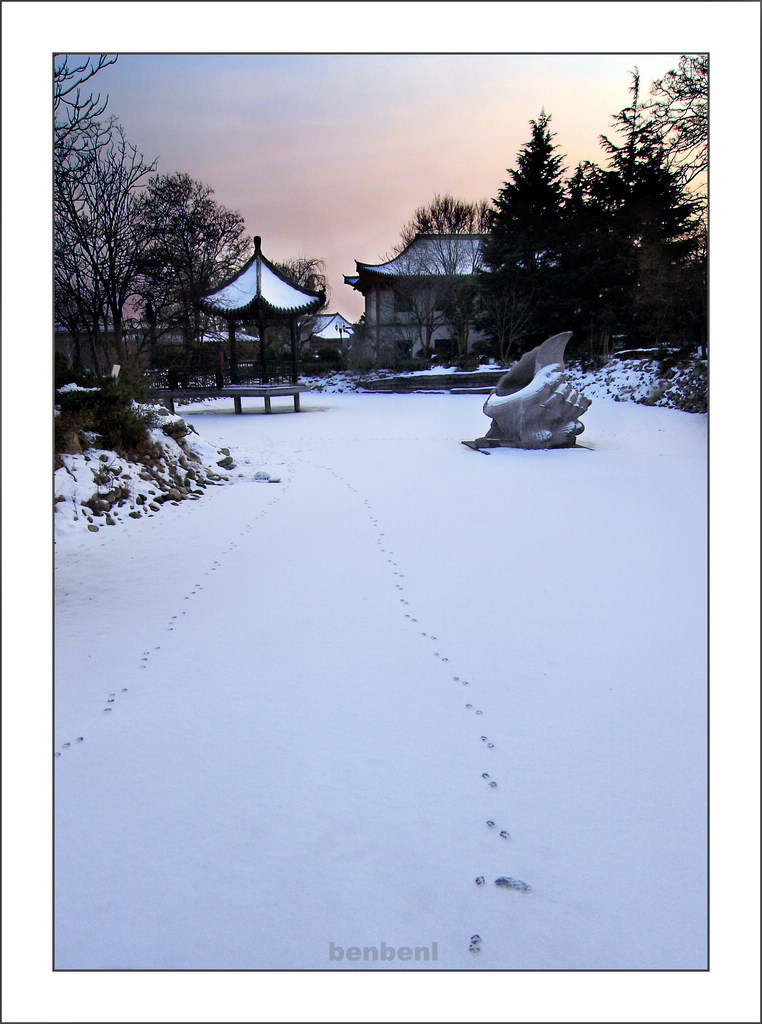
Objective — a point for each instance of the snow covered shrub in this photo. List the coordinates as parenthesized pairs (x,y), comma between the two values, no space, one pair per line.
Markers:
(108,410)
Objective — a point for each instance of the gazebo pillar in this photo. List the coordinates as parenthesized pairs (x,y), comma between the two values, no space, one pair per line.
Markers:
(233,351)
(294,352)
(263,350)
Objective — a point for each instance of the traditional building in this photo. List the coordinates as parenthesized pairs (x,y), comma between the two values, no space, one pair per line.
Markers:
(421,302)
(259,295)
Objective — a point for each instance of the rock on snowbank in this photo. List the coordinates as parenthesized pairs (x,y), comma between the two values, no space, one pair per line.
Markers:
(96,488)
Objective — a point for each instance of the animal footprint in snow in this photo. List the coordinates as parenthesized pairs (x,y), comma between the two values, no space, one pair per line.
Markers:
(506,882)
(490,824)
(475,945)
(479,879)
(505,835)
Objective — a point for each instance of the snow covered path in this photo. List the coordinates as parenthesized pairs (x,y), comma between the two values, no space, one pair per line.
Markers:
(294,699)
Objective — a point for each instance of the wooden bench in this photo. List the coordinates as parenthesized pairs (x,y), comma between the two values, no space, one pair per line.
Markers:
(234,391)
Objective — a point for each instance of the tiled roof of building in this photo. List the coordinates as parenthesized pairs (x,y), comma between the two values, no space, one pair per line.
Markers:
(433,254)
(425,256)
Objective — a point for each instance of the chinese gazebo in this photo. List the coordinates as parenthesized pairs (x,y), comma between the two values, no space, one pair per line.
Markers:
(261,295)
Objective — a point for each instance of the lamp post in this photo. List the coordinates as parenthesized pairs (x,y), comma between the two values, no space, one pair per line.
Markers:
(342,331)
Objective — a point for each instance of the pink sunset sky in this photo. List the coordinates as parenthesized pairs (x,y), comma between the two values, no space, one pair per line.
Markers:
(328,155)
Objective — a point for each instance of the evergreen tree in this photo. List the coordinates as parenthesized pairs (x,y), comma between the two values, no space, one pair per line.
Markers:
(592,266)
(652,224)
(523,248)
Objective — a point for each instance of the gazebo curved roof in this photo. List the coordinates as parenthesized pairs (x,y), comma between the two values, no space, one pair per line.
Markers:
(259,287)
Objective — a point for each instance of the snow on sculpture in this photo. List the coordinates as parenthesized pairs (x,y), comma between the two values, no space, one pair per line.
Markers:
(534,405)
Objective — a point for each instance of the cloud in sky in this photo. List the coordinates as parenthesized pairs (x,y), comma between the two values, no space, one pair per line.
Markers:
(329,155)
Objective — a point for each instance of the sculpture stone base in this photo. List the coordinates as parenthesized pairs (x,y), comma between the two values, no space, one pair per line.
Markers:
(534,405)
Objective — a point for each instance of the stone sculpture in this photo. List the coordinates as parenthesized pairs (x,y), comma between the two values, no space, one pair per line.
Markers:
(534,405)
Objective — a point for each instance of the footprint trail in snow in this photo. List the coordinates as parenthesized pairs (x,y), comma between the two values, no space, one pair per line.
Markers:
(438,652)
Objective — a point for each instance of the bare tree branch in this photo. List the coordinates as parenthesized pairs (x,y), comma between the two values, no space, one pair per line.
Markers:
(680,112)
(75,116)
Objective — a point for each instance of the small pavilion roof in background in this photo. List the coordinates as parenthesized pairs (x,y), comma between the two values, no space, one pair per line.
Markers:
(260,288)
(331,326)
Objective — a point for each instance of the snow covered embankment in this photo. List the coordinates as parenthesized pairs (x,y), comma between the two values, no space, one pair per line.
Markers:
(644,381)
(683,386)
(96,487)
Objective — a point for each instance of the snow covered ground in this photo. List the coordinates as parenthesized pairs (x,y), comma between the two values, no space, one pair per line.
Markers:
(301,717)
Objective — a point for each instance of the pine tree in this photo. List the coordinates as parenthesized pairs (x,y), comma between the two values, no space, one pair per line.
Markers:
(592,266)
(522,251)
(653,225)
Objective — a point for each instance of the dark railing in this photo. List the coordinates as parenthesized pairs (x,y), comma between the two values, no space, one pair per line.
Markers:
(211,368)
